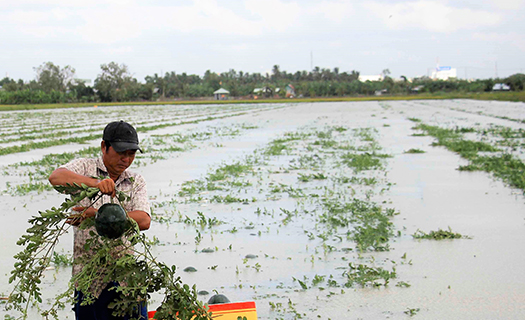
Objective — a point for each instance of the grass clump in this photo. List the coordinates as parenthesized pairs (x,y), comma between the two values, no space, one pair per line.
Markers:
(367,276)
(315,176)
(468,149)
(437,235)
(275,149)
(412,150)
(441,134)
(505,167)
(452,140)
(372,228)
(361,162)
(229,170)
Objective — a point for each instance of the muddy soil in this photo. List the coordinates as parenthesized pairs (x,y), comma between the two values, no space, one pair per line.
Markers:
(479,277)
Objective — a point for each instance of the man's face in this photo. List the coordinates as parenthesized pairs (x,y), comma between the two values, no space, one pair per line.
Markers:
(117,162)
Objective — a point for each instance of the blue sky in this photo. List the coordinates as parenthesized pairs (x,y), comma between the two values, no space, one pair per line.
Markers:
(482,38)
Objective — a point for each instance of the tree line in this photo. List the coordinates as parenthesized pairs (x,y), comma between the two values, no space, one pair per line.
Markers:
(115,83)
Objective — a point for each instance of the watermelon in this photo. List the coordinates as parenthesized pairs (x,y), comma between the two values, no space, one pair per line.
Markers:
(218,299)
(111,221)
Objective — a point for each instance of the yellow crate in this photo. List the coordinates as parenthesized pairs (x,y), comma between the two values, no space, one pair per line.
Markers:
(228,311)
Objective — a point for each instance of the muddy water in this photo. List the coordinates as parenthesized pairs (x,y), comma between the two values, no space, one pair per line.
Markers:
(476,278)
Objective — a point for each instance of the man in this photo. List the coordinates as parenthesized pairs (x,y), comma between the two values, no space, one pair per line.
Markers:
(109,173)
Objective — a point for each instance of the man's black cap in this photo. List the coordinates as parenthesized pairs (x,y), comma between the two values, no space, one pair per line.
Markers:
(122,136)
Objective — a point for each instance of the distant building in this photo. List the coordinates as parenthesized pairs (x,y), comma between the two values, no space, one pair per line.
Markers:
(264,91)
(500,87)
(417,89)
(290,91)
(378,77)
(381,92)
(444,73)
(221,94)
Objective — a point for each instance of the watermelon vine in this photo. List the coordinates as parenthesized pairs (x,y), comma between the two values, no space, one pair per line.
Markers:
(134,266)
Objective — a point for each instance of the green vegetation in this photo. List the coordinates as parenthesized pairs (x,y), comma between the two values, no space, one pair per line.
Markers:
(55,140)
(115,83)
(324,187)
(46,144)
(323,193)
(502,165)
(437,235)
(499,96)
(414,151)
(156,146)
(275,149)
(412,311)
(367,276)
(372,228)
(229,170)
(141,270)
(360,162)
(505,166)
(59,259)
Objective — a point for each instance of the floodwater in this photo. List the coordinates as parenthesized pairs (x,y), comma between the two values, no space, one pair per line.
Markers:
(476,278)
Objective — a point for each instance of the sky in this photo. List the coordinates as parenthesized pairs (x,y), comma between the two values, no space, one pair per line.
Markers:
(480,38)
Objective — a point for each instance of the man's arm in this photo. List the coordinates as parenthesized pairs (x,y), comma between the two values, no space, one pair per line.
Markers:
(63,176)
(142,218)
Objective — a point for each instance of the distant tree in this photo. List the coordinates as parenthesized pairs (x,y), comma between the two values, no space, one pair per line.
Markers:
(111,83)
(10,84)
(316,74)
(354,75)
(326,74)
(82,92)
(276,72)
(51,77)
(5,81)
(212,80)
(516,82)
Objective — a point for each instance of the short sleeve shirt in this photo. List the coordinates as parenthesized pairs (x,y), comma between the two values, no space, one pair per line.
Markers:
(132,184)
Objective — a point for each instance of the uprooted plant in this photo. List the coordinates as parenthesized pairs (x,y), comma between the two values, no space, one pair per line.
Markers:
(134,266)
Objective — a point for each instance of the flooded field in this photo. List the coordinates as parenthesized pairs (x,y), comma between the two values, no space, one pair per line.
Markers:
(313,211)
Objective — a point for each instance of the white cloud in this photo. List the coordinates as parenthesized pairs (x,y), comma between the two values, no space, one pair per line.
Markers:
(275,15)
(195,35)
(511,39)
(114,24)
(45,4)
(108,22)
(508,4)
(335,11)
(40,24)
(119,50)
(431,15)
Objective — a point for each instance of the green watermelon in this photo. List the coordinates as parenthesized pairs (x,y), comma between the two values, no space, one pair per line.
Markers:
(218,299)
(111,221)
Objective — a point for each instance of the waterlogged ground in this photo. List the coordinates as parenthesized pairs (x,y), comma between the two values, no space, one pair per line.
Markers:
(311,210)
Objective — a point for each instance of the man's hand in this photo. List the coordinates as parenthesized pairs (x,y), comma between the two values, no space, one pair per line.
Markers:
(107,186)
(83,214)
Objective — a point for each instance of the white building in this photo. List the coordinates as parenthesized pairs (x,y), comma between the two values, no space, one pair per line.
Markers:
(444,73)
(374,77)
(221,94)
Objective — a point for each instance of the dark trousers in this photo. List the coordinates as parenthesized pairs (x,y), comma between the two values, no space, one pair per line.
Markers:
(99,309)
